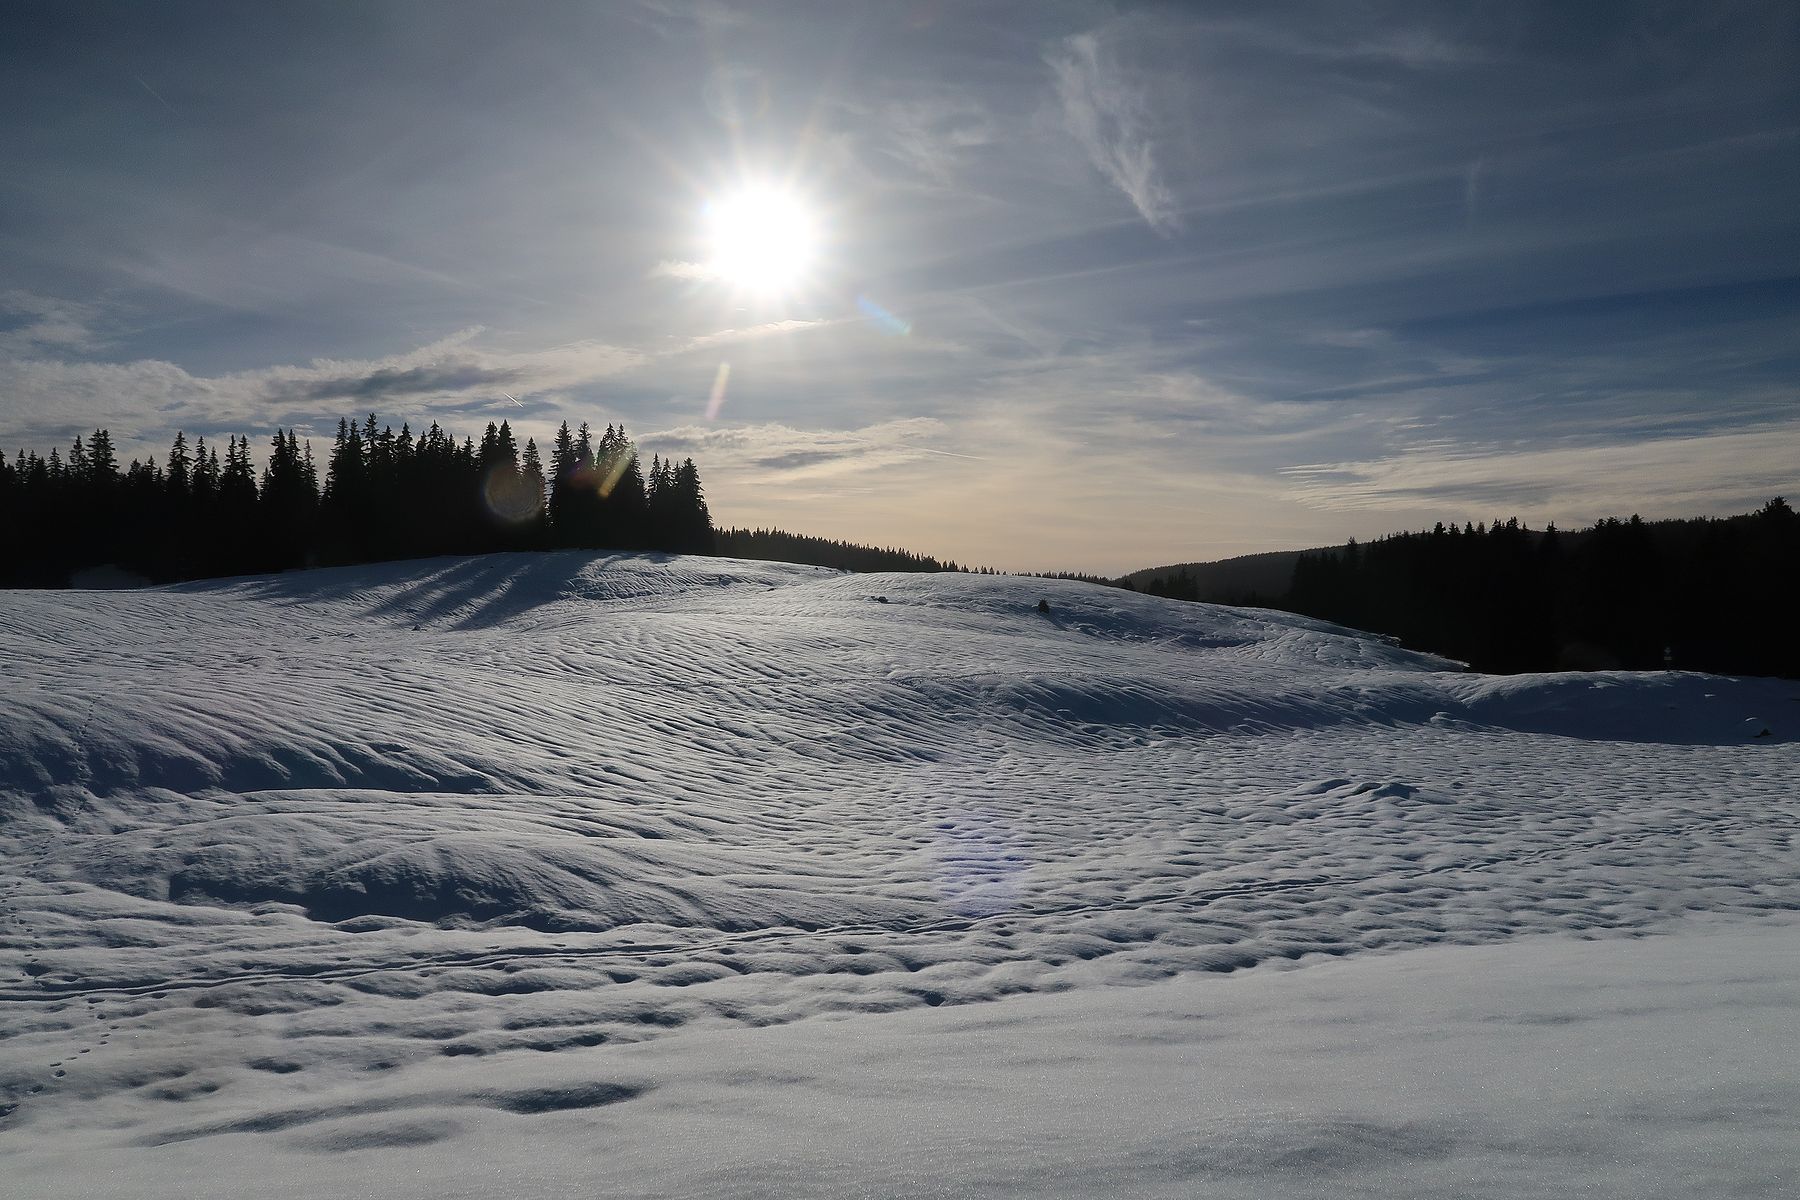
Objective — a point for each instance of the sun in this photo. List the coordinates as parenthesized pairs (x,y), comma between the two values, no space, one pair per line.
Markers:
(762,239)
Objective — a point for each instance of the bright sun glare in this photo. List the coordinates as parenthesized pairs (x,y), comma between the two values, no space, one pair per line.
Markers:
(762,239)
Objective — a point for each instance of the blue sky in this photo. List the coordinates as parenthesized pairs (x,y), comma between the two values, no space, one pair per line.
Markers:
(1097,286)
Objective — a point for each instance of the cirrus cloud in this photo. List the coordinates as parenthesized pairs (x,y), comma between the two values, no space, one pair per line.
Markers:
(1109,115)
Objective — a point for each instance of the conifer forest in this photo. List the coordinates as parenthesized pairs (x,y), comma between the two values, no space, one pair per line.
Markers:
(379,495)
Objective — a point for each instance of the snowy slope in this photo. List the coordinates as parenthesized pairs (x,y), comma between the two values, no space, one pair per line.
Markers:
(390,866)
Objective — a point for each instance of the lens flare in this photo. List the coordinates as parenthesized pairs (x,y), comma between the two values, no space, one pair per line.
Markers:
(884,320)
(716,401)
(508,496)
(979,868)
(611,472)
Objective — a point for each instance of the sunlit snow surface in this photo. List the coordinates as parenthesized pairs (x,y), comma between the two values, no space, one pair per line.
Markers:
(497,876)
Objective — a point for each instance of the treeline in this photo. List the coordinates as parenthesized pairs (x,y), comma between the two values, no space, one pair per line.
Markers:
(380,495)
(775,545)
(1706,594)
(1071,576)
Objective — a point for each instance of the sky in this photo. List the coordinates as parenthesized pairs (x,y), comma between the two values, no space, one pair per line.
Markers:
(1041,286)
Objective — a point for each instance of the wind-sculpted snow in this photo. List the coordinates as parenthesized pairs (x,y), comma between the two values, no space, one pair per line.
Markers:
(343,825)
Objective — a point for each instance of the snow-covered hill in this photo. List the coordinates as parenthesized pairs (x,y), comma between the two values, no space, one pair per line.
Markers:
(437,874)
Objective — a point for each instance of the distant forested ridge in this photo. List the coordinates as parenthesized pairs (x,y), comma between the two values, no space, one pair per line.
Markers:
(1707,594)
(1255,580)
(382,495)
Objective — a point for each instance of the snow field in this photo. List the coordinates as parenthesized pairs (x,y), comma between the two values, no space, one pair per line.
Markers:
(428,847)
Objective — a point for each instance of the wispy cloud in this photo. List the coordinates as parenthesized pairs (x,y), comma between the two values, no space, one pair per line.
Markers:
(46,396)
(1414,47)
(48,399)
(726,337)
(786,451)
(672,16)
(937,135)
(1708,472)
(1109,115)
(693,272)
(31,324)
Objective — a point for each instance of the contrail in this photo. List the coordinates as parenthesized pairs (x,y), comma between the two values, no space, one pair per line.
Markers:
(513,398)
(154,92)
(945,453)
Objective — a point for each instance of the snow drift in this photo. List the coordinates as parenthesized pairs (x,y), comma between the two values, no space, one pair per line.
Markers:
(300,841)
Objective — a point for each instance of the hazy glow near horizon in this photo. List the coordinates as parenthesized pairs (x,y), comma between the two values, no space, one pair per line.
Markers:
(762,239)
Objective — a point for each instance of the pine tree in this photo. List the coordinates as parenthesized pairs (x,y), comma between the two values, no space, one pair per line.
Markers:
(562,484)
(181,465)
(103,466)
(562,452)
(627,498)
(206,473)
(289,503)
(511,505)
(346,511)
(693,529)
(533,471)
(576,511)
(659,506)
(507,449)
(234,511)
